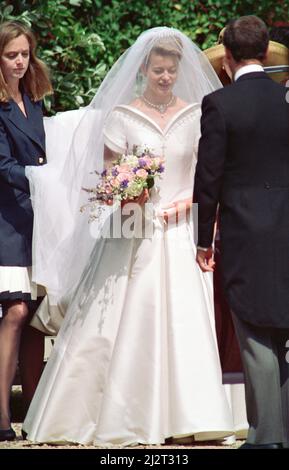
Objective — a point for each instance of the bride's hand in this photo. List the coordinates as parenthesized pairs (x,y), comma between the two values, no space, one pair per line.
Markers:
(141,199)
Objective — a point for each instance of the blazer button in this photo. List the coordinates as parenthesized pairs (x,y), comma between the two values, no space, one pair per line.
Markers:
(40,160)
(267,185)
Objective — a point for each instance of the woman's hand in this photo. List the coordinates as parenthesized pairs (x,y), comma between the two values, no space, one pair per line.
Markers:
(176,211)
(141,199)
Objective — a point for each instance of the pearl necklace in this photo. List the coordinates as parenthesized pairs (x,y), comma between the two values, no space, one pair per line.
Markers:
(160,107)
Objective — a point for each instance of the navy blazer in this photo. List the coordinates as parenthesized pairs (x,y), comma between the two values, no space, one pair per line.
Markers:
(22,142)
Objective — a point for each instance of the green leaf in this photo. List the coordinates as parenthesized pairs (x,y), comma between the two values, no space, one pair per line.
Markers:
(47,103)
(79,100)
(58,49)
(8,10)
(68,85)
(75,3)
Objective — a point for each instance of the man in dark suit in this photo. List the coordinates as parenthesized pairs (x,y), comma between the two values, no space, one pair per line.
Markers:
(243,167)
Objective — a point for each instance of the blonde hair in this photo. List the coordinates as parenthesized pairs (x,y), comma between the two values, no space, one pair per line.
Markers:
(36,81)
(166,46)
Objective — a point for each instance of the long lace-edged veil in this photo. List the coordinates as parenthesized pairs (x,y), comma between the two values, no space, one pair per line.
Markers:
(62,238)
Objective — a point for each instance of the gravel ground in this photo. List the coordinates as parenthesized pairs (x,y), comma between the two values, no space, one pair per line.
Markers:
(19,443)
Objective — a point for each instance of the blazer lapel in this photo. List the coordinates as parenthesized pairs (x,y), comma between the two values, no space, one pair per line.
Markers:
(27,125)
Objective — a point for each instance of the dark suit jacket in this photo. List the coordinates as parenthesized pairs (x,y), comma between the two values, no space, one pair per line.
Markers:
(22,142)
(243,165)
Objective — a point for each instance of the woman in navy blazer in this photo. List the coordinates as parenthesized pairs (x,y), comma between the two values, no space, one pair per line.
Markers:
(24,82)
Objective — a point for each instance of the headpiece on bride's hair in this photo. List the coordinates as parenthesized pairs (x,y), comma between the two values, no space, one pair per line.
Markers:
(166,46)
(75,150)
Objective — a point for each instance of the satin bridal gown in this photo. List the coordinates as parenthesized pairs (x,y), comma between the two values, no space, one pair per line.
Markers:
(136,359)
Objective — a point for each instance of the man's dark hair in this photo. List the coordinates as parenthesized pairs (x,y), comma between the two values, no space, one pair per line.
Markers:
(280,34)
(247,38)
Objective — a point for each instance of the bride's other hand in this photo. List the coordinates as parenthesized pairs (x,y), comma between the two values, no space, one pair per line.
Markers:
(175,211)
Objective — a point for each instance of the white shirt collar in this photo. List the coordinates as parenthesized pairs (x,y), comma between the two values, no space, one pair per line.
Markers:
(248,69)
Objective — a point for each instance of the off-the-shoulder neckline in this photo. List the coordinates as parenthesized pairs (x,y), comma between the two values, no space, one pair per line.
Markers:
(176,116)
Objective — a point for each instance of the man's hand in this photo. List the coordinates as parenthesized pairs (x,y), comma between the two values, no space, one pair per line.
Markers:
(205,260)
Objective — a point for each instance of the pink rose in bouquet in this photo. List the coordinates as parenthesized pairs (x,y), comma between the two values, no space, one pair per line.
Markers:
(126,179)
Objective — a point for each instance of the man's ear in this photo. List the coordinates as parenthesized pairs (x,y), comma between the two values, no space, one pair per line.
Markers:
(227,64)
(266,54)
(228,54)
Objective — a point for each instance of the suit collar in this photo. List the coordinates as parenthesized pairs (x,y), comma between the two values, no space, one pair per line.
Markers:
(252,75)
(29,124)
(248,68)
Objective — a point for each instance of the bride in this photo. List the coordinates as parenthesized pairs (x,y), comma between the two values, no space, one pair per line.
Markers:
(136,358)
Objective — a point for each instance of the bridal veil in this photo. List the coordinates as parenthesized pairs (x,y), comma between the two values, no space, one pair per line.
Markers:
(63,239)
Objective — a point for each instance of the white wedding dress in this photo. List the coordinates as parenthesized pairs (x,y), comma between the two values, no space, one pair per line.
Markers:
(136,359)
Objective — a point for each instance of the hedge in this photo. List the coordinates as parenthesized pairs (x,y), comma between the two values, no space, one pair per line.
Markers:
(80,39)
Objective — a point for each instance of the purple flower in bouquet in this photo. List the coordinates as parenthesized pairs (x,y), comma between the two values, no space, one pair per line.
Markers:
(126,179)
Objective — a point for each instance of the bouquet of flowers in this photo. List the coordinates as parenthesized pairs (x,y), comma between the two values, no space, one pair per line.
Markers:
(126,179)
